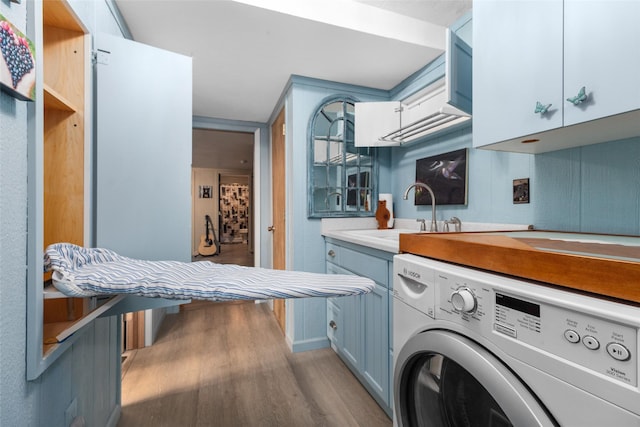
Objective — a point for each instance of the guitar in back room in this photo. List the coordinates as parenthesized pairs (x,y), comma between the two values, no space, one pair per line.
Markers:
(209,244)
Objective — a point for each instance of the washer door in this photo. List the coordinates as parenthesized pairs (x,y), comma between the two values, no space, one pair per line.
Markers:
(445,379)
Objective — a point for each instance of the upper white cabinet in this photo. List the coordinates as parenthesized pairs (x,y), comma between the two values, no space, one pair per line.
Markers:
(532,58)
(441,105)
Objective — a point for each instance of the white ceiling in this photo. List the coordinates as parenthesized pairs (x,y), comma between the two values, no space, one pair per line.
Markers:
(245,51)
(243,55)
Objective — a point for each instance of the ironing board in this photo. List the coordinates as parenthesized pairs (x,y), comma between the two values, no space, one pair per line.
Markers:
(84,272)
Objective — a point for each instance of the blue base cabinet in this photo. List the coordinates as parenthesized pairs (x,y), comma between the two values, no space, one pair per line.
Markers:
(359,327)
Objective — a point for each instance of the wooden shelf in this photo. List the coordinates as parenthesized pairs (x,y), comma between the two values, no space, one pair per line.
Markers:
(50,331)
(56,332)
(57,101)
(59,14)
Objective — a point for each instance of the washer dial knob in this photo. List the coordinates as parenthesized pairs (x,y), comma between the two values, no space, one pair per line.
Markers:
(463,300)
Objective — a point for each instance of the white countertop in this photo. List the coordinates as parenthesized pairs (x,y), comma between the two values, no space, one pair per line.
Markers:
(363,231)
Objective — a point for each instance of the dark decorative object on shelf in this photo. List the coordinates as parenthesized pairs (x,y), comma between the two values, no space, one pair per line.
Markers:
(382,215)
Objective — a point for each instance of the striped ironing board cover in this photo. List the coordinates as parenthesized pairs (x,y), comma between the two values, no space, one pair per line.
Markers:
(83,272)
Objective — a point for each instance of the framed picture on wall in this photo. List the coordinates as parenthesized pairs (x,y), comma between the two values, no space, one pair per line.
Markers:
(17,63)
(206,191)
(446,174)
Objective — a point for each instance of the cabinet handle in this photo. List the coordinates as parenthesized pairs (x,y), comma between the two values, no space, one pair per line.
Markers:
(541,108)
(333,325)
(579,98)
(331,253)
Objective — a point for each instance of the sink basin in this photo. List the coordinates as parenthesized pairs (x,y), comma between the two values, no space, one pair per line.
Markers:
(388,239)
(390,233)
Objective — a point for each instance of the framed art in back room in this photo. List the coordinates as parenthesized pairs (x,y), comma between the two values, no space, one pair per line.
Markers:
(446,174)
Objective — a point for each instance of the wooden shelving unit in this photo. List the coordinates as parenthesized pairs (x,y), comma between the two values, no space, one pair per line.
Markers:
(63,95)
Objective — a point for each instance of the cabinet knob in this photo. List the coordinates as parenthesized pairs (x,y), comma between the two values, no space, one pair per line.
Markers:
(333,325)
(579,98)
(542,108)
(331,253)
(271,228)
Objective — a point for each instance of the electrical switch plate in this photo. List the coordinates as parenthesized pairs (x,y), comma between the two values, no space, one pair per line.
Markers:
(521,190)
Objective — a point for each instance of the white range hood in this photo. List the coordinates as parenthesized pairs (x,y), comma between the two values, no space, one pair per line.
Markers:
(441,105)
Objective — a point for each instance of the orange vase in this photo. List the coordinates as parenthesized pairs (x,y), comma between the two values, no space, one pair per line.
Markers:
(382,215)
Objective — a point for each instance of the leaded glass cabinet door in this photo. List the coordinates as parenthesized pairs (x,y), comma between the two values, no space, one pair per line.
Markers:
(342,177)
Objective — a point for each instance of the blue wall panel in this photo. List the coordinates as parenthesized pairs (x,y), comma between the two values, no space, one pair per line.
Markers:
(590,189)
(305,242)
(489,187)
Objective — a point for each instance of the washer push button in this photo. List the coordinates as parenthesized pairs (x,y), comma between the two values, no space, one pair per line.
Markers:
(618,351)
(590,342)
(572,336)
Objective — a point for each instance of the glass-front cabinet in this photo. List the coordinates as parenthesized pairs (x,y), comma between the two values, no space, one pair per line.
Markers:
(342,177)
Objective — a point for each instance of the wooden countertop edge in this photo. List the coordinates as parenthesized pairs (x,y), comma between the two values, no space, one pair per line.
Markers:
(612,278)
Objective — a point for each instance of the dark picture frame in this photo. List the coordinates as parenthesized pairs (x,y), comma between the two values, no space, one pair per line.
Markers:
(352,188)
(446,174)
(206,191)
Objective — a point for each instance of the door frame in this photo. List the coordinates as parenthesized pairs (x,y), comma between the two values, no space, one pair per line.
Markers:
(259,130)
(278,201)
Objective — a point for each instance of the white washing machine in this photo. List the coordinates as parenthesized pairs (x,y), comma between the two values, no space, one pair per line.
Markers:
(479,349)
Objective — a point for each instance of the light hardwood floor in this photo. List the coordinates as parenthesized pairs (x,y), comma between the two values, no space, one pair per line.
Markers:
(230,253)
(226,364)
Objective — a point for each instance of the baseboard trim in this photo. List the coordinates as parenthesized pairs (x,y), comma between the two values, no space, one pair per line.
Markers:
(114,417)
(307,345)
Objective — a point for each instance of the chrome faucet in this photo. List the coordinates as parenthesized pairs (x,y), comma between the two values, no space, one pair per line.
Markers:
(455,221)
(335,193)
(434,225)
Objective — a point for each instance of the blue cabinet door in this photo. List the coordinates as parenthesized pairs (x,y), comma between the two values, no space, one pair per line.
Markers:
(375,357)
(346,313)
(143,156)
(458,72)
(517,62)
(601,52)
(351,323)
(143,150)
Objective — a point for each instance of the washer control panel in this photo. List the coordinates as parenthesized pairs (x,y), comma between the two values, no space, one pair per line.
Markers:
(602,345)
(596,343)
(414,285)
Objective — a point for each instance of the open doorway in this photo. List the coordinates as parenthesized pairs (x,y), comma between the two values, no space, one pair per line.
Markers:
(222,190)
(235,219)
